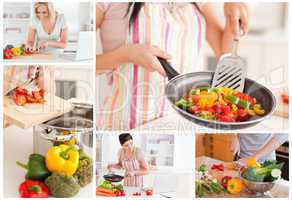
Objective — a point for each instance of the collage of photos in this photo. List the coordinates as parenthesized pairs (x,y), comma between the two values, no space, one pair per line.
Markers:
(145,100)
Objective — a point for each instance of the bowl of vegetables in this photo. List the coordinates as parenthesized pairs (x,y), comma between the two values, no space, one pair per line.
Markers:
(262,178)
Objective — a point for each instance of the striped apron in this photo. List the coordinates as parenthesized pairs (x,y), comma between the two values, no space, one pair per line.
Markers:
(132,164)
(136,96)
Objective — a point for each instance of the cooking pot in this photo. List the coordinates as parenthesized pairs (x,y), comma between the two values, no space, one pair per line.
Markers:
(74,127)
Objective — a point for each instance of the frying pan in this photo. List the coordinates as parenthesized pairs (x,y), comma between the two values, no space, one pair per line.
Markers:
(113,177)
(179,85)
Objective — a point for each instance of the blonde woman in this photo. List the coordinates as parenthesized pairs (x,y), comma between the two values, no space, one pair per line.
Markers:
(47,29)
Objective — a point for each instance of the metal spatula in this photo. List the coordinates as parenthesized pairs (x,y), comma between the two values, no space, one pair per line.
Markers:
(230,71)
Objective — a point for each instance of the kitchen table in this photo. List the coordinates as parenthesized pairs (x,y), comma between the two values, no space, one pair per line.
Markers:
(164,182)
(173,122)
(18,145)
(280,190)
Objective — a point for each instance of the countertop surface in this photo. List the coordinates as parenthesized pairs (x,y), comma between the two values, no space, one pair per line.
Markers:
(280,189)
(163,182)
(18,145)
(55,59)
(174,122)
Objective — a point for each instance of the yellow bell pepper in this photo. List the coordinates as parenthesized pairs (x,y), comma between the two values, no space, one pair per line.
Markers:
(62,159)
(252,162)
(16,51)
(234,186)
(258,109)
(71,141)
(226,91)
(207,99)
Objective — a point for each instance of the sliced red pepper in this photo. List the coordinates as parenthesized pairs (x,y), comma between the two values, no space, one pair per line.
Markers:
(242,115)
(194,109)
(219,167)
(225,118)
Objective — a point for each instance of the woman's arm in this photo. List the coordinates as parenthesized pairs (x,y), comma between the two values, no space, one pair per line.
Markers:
(214,29)
(268,148)
(62,43)
(143,168)
(29,44)
(140,54)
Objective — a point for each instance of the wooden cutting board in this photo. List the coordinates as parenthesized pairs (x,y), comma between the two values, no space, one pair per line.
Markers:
(36,56)
(32,114)
(282,109)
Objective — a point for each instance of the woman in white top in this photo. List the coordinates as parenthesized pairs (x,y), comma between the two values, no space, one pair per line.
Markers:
(48,28)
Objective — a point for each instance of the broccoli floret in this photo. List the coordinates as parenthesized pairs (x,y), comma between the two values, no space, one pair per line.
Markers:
(84,172)
(61,185)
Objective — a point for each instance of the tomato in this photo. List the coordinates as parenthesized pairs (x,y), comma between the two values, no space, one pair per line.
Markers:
(20,99)
(42,92)
(123,193)
(242,115)
(195,98)
(37,95)
(225,118)
(149,192)
(118,193)
(226,109)
(245,97)
(194,109)
(218,108)
(137,194)
(21,90)
(222,109)
(285,98)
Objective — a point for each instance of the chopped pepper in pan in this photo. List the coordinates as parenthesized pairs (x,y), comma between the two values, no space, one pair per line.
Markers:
(220,104)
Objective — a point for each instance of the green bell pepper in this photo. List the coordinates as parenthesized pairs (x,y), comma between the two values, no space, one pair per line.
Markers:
(36,167)
(195,91)
(244,104)
(232,99)
(183,104)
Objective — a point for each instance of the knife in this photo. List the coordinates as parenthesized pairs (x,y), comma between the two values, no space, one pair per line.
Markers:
(26,83)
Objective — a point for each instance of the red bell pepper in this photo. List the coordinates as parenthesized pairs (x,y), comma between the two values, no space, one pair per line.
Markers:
(225,180)
(33,189)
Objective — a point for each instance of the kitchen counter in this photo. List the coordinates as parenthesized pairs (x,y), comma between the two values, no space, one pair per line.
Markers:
(18,145)
(164,182)
(54,59)
(280,190)
(174,122)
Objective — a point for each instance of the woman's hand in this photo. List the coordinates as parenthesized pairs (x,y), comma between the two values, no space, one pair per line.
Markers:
(130,173)
(110,167)
(235,13)
(44,45)
(146,56)
(46,78)
(29,47)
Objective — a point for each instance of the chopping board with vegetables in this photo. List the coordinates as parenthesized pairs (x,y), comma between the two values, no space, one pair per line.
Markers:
(14,52)
(216,178)
(28,110)
(282,98)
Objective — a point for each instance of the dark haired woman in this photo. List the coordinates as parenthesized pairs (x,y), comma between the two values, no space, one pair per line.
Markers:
(130,159)
(134,34)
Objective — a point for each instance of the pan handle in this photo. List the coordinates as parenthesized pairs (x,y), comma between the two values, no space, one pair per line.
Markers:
(169,70)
